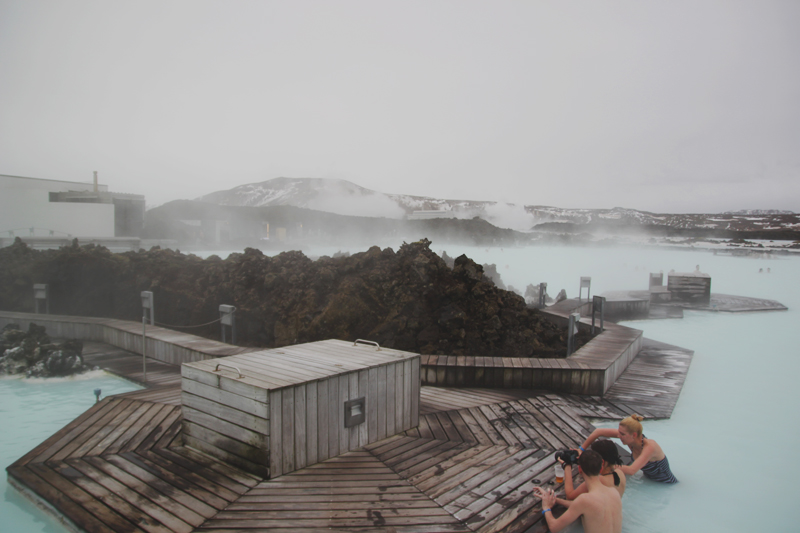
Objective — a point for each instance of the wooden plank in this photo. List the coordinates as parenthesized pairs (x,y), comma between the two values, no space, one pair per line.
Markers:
(287,430)
(407,390)
(104,513)
(125,501)
(433,453)
(300,426)
(172,486)
(106,435)
(164,432)
(218,425)
(399,400)
(344,395)
(227,412)
(248,405)
(237,453)
(510,463)
(383,405)
(391,400)
(333,417)
(184,481)
(62,501)
(238,477)
(312,424)
(160,494)
(353,432)
(373,405)
(415,387)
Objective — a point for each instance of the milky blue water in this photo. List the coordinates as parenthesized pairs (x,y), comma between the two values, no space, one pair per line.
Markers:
(31,410)
(731,437)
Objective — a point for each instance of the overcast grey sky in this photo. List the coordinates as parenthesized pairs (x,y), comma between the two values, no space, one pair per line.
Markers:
(667,106)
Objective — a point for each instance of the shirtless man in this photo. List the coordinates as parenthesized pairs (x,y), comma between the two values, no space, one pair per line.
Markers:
(600,508)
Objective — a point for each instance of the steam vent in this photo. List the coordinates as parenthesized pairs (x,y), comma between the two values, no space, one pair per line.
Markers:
(275,411)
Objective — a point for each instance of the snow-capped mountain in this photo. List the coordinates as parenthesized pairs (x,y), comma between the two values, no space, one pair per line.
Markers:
(345,198)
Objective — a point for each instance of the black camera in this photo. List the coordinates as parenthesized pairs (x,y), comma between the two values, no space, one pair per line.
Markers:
(570,457)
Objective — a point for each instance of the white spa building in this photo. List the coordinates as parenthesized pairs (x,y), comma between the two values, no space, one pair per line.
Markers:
(51,213)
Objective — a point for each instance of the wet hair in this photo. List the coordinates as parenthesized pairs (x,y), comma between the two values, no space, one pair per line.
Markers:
(591,463)
(608,451)
(633,424)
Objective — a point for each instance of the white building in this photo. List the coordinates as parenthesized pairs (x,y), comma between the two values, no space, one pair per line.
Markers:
(54,210)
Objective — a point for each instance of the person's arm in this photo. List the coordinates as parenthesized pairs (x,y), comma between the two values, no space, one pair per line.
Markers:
(644,457)
(573,512)
(600,432)
(570,492)
(565,503)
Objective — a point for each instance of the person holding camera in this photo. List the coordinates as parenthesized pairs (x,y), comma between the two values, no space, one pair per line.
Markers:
(611,474)
(647,454)
(600,507)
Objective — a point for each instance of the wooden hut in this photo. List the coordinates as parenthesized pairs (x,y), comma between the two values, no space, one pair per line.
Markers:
(275,411)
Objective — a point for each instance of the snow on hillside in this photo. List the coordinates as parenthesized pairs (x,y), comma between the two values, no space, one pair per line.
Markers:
(345,198)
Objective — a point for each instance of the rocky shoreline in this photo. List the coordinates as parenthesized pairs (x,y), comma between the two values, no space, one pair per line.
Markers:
(409,299)
(33,354)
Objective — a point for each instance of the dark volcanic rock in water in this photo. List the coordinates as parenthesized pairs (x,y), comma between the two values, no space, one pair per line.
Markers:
(409,299)
(34,355)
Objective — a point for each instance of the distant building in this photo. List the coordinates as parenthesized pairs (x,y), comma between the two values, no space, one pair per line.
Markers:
(54,210)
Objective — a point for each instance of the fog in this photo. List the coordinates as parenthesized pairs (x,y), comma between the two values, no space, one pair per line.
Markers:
(685,106)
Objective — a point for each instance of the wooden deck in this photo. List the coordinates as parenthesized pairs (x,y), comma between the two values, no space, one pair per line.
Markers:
(470,465)
(119,467)
(163,380)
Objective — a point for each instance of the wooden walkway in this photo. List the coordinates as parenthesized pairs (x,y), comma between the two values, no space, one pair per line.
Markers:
(650,386)
(163,380)
(470,465)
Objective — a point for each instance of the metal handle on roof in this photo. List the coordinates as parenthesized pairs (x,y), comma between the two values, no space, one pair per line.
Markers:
(373,343)
(229,366)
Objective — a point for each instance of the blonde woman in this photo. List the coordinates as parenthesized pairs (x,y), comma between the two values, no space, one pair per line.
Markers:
(647,454)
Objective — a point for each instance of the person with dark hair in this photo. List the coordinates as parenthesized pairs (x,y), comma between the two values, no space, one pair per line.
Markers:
(610,474)
(647,454)
(600,507)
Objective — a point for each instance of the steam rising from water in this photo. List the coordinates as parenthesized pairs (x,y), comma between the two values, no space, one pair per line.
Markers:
(356,204)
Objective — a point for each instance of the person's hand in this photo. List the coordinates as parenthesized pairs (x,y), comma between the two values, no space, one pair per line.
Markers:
(548,497)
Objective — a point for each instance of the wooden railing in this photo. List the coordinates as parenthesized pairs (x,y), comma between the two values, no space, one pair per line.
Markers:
(165,345)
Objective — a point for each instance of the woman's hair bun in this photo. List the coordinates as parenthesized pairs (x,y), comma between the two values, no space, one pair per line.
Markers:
(636,417)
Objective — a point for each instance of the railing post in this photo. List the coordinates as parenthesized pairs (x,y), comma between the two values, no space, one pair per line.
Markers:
(572,330)
(598,306)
